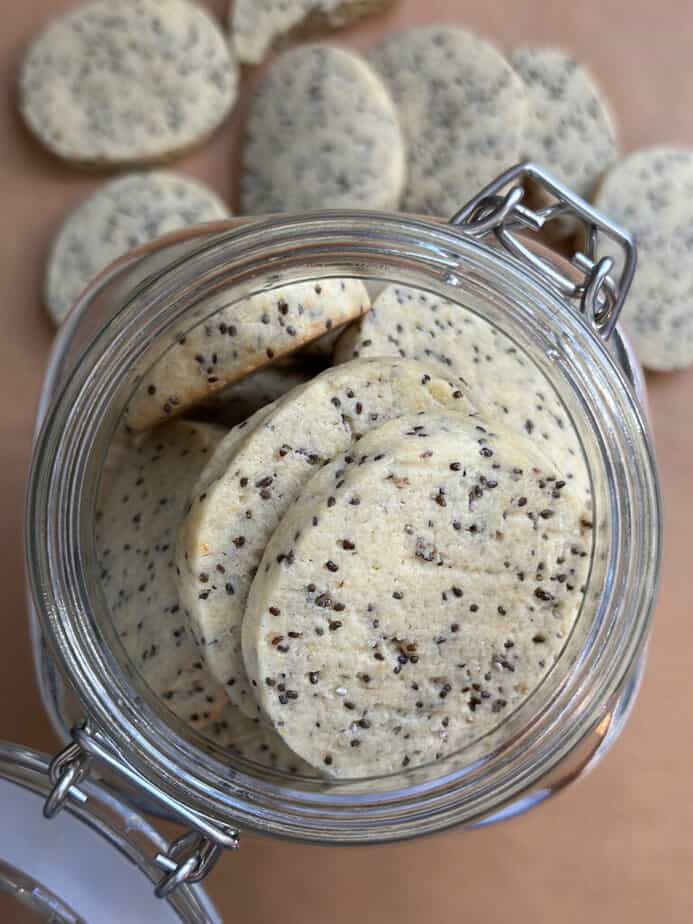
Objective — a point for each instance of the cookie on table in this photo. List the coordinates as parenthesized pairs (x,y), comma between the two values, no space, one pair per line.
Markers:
(122,214)
(462,109)
(650,193)
(242,336)
(135,535)
(502,381)
(397,631)
(321,132)
(257,25)
(127,83)
(231,518)
(570,129)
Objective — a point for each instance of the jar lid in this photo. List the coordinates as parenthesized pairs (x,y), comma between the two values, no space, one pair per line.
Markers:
(94,864)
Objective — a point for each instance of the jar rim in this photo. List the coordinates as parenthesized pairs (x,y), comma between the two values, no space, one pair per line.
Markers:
(360,241)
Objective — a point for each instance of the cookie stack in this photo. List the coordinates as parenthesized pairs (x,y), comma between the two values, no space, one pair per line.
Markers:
(378,563)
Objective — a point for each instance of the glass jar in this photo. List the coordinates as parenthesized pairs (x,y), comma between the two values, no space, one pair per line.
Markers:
(117,330)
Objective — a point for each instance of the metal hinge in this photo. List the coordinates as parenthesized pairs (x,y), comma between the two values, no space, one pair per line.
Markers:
(500,213)
(188,859)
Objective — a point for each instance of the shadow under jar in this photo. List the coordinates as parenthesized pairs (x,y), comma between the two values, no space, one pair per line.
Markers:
(119,329)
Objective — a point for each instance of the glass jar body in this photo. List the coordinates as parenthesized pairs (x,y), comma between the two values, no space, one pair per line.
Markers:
(147,283)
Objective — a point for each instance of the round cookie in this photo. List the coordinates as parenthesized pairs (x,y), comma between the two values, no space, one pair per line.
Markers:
(412,323)
(239,338)
(334,125)
(231,519)
(256,25)
(141,506)
(569,129)
(122,214)
(650,193)
(127,83)
(462,109)
(238,402)
(417,591)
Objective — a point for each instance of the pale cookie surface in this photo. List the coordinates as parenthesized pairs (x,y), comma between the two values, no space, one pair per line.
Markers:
(257,24)
(127,83)
(503,382)
(135,534)
(242,336)
(238,402)
(569,129)
(223,536)
(121,215)
(462,109)
(333,123)
(650,193)
(417,591)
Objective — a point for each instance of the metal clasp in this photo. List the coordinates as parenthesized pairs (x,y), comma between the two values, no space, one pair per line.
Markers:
(493,211)
(66,771)
(189,858)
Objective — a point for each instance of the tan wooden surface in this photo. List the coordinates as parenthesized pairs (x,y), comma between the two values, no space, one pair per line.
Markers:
(617,847)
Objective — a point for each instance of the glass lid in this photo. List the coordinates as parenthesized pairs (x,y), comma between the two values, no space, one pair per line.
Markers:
(94,864)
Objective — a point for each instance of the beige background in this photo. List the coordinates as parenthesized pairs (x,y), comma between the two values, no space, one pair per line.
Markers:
(617,847)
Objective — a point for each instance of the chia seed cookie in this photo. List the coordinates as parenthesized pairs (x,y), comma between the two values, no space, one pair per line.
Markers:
(412,323)
(462,109)
(231,519)
(124,213)
(129,83)
(238,402)
(239,338)
(570,129)
(418,590)
(650,193)
(334,124)
(257,25)
(141,507)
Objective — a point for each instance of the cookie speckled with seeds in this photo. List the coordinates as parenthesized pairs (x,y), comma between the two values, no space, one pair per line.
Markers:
(462,109)
(256,25)
(231,519)
(121,215)
(503,381)
(242,336)
(570,129)
(322,132)
(395,631)
(238,402)
(141,507)
(127,83)
(650,193)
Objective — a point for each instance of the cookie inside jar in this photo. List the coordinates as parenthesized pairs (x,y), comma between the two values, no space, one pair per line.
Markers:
(348,527)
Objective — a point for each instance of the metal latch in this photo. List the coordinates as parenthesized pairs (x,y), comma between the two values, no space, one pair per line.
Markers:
(188,859)
(499,213)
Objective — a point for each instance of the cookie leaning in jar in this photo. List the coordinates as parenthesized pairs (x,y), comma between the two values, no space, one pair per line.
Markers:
(322,132)
(129,83)
(462,109)
(240,337)
(122,214)
(231,519)
(140,510)
(416,592)
(503,382)
(651,193)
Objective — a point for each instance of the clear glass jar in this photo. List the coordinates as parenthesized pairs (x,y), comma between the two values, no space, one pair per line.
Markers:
(118,329)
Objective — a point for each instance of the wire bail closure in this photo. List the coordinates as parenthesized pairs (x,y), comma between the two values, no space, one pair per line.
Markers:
(502,213)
